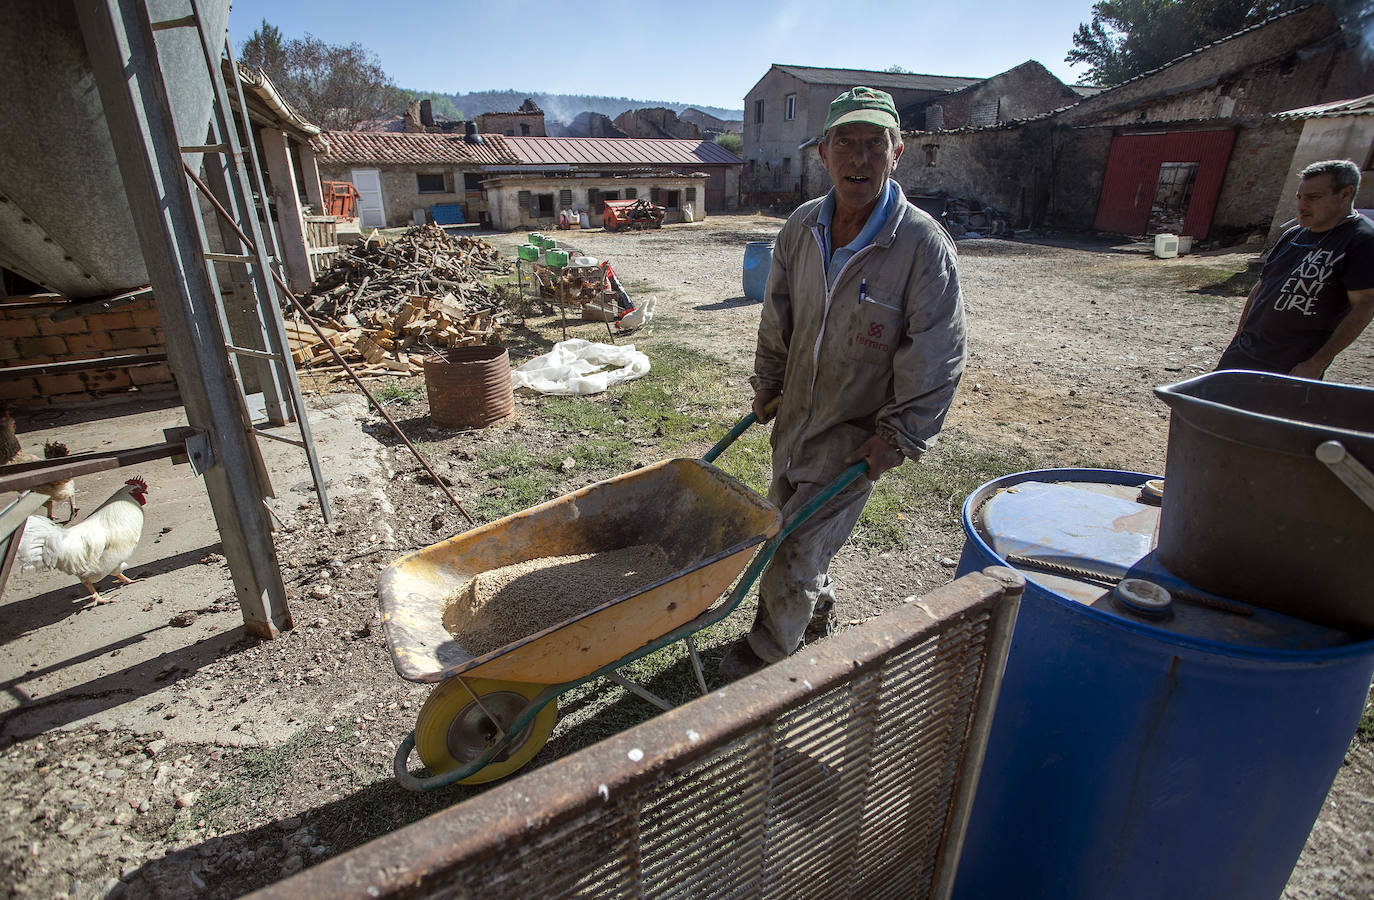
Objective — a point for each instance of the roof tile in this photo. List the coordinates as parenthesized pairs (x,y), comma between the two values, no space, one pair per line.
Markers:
(357,147)
(620,151)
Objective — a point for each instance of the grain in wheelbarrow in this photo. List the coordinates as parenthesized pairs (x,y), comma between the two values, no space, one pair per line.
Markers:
(503,605)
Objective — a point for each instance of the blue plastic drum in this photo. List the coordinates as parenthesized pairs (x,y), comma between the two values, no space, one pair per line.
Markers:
(758,260)
(1150,741)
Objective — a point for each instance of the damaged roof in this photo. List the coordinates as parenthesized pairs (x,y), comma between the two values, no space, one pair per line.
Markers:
(909,81)
(372,147)
(620,151)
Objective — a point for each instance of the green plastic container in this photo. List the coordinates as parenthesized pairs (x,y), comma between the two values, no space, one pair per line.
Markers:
(527,252)
(536,239)
(556,259)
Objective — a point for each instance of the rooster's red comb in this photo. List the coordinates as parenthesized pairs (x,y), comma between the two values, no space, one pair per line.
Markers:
(138,483)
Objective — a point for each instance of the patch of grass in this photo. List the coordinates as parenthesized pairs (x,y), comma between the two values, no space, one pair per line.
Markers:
(749,460)
(597,455)
(525,482)
(258,775)
(397,392)
(579,413)
(1221,282)
(934,489)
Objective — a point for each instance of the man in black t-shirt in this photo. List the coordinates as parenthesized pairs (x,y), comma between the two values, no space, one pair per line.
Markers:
(1316,291)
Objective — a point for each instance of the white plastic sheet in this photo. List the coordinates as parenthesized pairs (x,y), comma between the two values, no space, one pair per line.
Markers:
(576,367)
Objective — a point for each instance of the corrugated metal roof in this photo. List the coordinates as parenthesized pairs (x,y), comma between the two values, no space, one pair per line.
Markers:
(620,151)
(1360,106)
(909,81)
(357,147)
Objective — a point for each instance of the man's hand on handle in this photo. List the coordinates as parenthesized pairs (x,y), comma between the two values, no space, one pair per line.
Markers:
(880,454)
(766,404)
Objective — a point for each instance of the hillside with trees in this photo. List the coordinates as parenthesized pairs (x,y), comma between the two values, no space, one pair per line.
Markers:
(336,86)
(561,107)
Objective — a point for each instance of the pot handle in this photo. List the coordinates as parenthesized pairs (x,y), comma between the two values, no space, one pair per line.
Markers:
(1348,469)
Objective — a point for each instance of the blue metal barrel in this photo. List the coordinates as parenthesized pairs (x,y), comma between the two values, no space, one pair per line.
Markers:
(1143,748)
(758,260)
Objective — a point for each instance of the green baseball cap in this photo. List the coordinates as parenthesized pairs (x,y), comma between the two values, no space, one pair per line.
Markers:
(862,104)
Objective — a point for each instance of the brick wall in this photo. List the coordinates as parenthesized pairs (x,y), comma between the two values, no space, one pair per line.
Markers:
(31,336)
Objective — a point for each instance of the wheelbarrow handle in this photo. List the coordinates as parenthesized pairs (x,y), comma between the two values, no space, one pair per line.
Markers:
(740,427)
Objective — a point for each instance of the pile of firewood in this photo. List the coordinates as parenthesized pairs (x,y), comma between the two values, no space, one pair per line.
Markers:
(387,304)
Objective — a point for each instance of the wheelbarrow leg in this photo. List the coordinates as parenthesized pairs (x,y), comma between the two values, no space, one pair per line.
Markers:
(696,663)
(640,690)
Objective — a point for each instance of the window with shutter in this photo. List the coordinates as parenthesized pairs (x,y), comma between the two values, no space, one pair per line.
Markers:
(691,194)
(429,182)
(526,201)
(565,198)
(631,193)
(653,195)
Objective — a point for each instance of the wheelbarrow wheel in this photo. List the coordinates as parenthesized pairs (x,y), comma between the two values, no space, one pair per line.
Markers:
(452,729)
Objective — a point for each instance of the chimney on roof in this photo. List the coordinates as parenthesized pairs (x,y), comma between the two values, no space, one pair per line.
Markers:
(426,113)
(472,137)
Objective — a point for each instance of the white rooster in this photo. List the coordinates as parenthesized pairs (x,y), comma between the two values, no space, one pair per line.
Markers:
(96,546)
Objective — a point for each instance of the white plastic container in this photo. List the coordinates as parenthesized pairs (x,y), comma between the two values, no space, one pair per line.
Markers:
(1166,246)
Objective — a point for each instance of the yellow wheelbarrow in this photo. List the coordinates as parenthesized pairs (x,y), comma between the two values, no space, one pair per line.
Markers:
(491,713)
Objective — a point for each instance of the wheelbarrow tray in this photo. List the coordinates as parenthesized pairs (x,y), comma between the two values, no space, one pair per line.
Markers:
(707,523)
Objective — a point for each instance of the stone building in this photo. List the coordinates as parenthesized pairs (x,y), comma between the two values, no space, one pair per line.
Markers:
(402,177)
(1194,147)
(527,121)
(655,122)
(1018,93)
(399,177)
(787,107)
(710,125)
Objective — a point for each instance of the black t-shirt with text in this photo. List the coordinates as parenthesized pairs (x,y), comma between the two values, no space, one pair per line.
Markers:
(1302,294)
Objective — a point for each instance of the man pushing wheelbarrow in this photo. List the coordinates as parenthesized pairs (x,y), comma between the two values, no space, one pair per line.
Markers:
(862,337)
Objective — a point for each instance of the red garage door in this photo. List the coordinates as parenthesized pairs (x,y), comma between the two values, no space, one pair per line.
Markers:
(1164,182)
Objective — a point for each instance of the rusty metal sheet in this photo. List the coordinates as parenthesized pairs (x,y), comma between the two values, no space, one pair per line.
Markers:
(845,770)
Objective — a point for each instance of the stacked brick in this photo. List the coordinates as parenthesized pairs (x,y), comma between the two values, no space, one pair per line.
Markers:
(30,336)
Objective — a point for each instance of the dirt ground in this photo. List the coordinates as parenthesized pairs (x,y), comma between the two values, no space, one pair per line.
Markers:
(150,749)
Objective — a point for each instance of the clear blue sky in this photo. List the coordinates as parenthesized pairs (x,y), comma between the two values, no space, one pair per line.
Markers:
(708,52)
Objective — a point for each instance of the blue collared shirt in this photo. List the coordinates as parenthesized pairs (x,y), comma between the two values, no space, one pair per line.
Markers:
(835,259)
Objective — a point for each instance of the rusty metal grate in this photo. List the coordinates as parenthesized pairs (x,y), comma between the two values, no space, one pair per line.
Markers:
(843,772)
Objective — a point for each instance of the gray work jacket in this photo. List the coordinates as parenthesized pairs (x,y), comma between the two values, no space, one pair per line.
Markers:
(849,367)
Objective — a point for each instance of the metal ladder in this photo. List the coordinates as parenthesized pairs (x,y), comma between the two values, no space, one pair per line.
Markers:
(231,194)
(222,445)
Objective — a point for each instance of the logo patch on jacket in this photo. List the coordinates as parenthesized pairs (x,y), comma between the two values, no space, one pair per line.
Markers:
(873,338)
